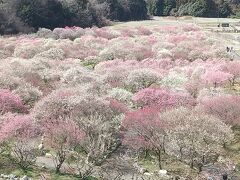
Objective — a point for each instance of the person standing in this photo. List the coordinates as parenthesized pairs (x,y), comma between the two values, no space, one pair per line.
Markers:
(227,49)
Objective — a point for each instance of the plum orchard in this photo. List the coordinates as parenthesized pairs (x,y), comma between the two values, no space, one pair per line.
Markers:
(162,90)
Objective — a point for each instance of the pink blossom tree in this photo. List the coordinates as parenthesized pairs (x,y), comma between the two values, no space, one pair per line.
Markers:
(144,31)
(97,117)
(29,94)
(10,102)
(226,108)
(71,102)
(193,87)
(143,129)
(62,136)
(18,132)
(194,136)
(141,78)
(216,78)
(233,68)
(53,106)
(163,98)
(121,95)
(101,136)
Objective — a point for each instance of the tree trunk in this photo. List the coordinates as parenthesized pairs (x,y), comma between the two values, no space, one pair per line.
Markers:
(200,167)
(146,154)
(58,167)
(224,145)
(61,156)
(159,159)
(191,164)
(88,157)
(203,159)
(181,153)
(163,144)
(23,168)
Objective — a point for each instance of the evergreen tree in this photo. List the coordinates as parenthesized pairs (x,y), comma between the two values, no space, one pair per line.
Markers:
(138,9)
(224,9)
(39,13)
(199,8)
(151,6)
(168,6)
(160,7)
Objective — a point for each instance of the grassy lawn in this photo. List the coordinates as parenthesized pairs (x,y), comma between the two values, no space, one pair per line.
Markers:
(156,22)
(165,21)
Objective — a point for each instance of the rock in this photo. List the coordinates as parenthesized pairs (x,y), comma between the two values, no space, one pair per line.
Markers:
(135,165)
(234,168)
(221,159)
(148,174)
(2,175)
(41,146)
(6,177)
(48,155)
(12,176)
(162,172)
(24,178)
(142,170)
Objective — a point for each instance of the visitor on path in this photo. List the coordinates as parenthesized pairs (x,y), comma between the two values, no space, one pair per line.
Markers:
(228,49)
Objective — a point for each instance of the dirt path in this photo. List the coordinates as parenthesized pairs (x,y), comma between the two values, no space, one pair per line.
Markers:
(113,169)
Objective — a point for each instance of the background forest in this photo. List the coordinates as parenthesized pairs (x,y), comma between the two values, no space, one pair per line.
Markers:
(28,15)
